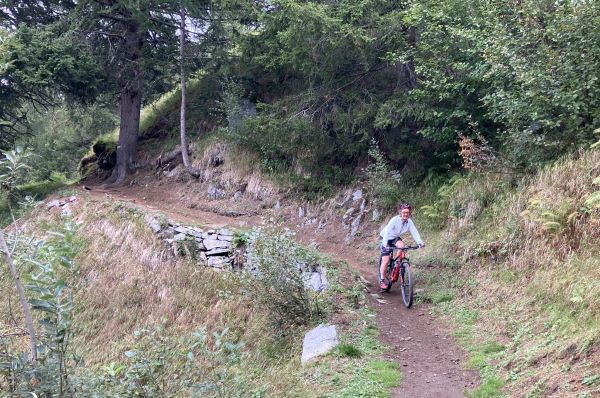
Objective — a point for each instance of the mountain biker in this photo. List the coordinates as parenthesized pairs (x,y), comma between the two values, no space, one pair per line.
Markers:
(390,236)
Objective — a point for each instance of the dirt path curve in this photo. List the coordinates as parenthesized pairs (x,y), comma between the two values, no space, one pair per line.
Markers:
(431,363)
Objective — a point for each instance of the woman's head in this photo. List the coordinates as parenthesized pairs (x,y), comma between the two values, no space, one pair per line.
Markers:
(404,210)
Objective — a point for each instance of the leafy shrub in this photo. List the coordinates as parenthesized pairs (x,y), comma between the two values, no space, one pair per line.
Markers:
(279,285)
(382,181)
(59,139)
(52,375)
(161,365)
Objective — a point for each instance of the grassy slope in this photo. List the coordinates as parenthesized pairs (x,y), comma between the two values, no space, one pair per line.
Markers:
(125,280)
(526,299)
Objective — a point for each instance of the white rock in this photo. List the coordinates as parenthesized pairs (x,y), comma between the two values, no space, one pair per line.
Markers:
(228,238)
(349,212)
(318,341)
(179,237)
(316,281)
(376,215)
(154,225)
(53,203)
(217,262)
(357,195)
(212,244)
(355,225)
(195,234)
(225,232)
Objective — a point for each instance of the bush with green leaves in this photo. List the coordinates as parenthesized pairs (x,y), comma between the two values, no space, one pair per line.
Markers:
(280,264)
(383,182)
(162,365)
(59,138)
(49,261)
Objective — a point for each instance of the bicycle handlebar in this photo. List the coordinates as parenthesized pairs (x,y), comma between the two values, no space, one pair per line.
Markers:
(405,248)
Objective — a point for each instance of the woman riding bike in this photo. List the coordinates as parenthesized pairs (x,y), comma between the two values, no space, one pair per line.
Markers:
(390,236)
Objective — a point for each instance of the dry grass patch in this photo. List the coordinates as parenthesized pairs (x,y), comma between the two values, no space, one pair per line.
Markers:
(531,277)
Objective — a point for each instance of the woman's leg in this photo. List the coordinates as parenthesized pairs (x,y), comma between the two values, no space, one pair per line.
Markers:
(385,260)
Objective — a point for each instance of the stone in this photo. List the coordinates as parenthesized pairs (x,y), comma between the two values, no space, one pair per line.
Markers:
(301,212)
(349,212)
(228,238)
(322,225)
(318,341)
(218,252)
(217,262)
(215,193)
(195,234)
(277,205)
(154,225)
(200,245)
(237,196)
(357,195)
(181,229)
(174,172)
(355,225)
(72,198)
(316,281)
(212,244)
(179,237)
(53,203)
(376,215)
(362,206)
(225,232)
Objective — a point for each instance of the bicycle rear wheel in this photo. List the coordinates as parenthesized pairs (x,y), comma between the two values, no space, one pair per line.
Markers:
(407,285)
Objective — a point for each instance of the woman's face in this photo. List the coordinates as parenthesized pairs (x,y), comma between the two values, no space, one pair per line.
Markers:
(404,214)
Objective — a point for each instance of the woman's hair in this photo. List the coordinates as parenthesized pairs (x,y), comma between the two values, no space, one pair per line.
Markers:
(403,205)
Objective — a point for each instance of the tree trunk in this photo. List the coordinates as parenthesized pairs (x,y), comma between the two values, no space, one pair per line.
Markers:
(22,298)
(182,132)
(182,129)
(130,107)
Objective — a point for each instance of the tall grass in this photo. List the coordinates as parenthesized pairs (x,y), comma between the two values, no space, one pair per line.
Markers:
(531,255)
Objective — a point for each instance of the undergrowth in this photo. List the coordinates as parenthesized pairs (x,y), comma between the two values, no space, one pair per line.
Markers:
(524,301)
(143,322)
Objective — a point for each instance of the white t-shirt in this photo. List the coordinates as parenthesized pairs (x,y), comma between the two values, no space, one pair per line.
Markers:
(397,227)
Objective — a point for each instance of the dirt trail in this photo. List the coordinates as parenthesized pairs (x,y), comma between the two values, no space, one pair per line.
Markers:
(431,363)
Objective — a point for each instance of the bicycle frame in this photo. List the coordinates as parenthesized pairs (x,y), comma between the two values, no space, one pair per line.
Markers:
(399,269)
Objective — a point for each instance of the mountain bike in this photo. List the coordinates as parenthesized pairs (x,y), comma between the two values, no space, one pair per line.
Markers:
(399,270)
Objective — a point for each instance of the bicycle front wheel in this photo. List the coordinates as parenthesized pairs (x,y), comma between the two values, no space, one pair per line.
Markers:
(407,285)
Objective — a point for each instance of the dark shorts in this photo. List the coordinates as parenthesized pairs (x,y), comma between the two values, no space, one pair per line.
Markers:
(382,246)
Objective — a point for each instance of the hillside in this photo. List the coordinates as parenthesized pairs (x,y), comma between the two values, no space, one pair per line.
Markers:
(242,159)
(521,296)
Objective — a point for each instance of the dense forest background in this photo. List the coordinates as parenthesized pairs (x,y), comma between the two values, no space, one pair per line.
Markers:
(521,78)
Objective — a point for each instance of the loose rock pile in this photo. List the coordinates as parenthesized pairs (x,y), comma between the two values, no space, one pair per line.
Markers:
(212,248)
(62,204)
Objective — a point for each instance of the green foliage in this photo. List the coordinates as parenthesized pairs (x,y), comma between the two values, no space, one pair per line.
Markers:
(348,350)
(544,89)
(13,168)
(490,388)
(279,281)
(383,182)
(34,62)
(50,263)
(58,139)
(198,365)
